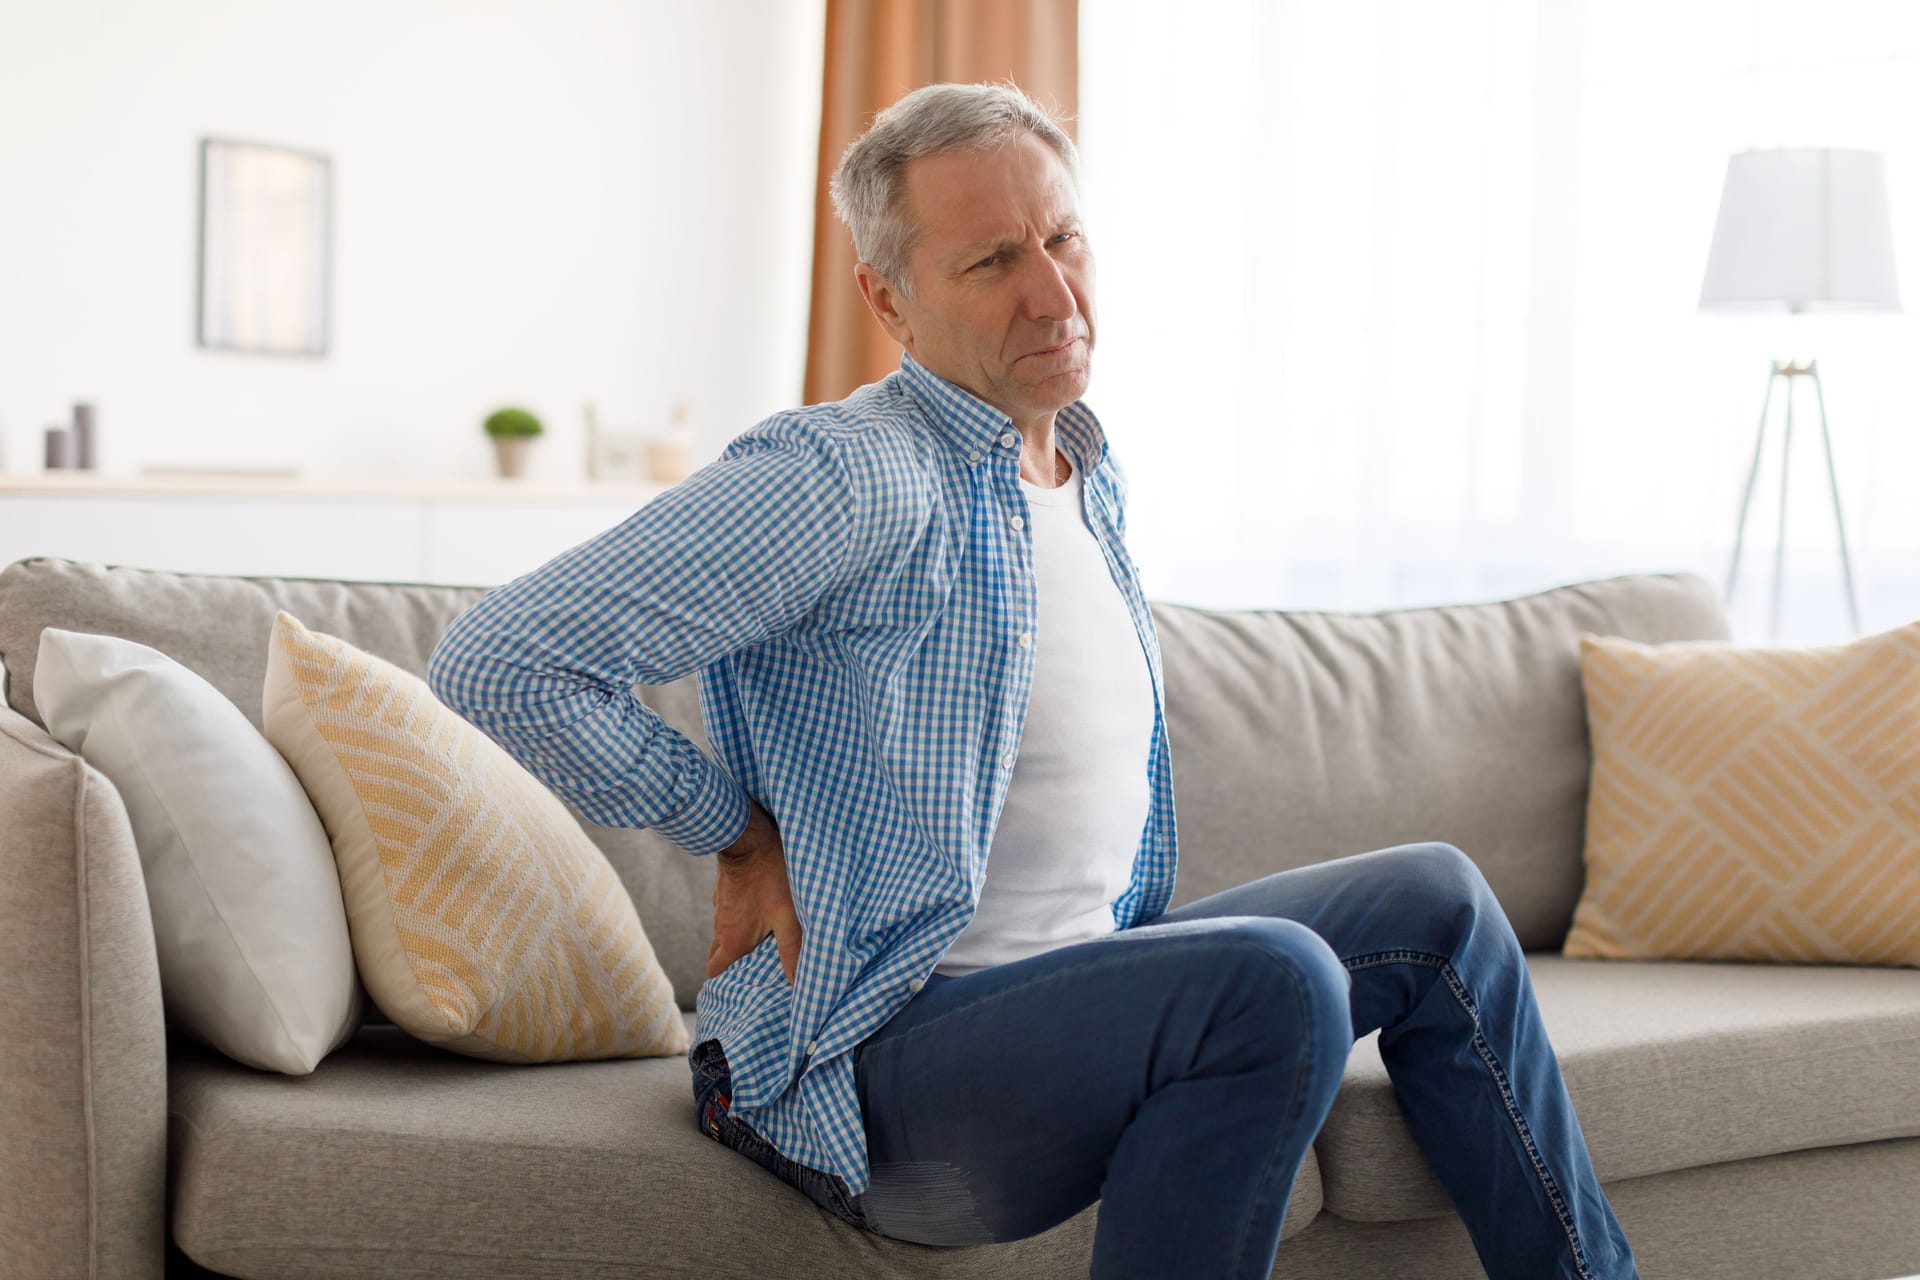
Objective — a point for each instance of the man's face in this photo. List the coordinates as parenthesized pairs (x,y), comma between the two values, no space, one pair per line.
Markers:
(1003,278)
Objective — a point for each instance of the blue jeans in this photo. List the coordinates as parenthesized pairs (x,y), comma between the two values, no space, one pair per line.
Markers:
(1178,1071)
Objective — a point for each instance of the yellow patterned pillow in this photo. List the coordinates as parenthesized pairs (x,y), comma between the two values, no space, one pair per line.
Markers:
(482,917)
(1753,804)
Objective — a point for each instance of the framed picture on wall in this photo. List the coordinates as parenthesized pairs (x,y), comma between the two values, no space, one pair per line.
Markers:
(266,215)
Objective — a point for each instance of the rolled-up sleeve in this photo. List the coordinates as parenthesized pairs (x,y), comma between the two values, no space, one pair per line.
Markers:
(739,552)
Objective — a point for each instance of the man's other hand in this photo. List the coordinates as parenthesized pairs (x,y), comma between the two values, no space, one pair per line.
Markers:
(751,898)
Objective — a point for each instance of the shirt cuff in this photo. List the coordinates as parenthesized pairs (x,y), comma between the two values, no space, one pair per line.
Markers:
(714,813)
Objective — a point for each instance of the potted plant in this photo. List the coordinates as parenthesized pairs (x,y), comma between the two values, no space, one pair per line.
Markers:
(512,431)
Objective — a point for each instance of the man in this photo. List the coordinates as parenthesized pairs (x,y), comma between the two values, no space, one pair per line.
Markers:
(944,996)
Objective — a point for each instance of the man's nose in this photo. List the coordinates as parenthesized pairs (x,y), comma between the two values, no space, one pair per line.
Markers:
(1048,296)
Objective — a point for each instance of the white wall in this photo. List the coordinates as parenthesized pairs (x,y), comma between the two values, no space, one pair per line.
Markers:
(536,201)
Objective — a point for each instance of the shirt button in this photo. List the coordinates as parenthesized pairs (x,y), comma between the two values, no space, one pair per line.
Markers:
(973,459)
(1006,761)
(810,1047)
(1026,640)
(914,984)
(1008,438)
(1017,523)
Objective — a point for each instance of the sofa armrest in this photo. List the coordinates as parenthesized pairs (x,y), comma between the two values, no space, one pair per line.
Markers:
(83,1051)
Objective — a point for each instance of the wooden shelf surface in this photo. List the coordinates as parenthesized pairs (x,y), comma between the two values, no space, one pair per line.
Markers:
(183,483)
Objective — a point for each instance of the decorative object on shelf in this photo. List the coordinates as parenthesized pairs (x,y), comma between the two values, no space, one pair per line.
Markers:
(614,455)
(670,456)
(83,420)
(1800,229)
(513,431)
(266,216)
(60,451)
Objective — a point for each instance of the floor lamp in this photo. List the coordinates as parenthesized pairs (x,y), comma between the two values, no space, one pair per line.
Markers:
(1800,229)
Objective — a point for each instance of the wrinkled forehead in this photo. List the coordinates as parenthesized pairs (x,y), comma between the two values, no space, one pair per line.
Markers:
(963,198)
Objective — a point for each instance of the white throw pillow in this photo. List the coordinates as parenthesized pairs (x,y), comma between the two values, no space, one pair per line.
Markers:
(248,921)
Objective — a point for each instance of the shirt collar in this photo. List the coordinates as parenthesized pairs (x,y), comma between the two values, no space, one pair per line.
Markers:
(974,428)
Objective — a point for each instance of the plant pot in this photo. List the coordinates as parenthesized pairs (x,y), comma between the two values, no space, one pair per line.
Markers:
(512,453)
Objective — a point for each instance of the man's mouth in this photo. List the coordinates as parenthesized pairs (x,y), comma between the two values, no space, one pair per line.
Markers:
(1048,351)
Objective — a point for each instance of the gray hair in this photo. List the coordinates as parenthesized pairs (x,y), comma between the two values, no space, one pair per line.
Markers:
(933,119)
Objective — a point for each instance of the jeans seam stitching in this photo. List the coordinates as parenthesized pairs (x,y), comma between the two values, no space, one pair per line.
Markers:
(1547,1181)
(1368,960)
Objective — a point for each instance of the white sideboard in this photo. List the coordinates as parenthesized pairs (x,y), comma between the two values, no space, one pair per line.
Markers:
(459,533)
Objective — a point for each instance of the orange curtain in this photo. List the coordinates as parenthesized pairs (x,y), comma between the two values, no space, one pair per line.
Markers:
(877,51)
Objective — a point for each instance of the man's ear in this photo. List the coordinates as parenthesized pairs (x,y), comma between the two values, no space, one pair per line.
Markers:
(883,299)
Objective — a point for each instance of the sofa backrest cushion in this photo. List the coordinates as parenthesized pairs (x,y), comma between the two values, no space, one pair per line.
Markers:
(219,627)
(1299,737)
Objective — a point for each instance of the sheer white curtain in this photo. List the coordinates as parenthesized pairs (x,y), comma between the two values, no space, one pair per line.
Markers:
(1397,299)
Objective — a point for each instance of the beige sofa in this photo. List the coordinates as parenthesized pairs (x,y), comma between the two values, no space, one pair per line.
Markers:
(1748,1121)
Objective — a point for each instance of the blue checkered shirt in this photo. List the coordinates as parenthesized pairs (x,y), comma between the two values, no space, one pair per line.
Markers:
(849,580)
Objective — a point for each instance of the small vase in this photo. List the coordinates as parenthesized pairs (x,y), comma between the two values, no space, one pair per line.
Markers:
(512,452)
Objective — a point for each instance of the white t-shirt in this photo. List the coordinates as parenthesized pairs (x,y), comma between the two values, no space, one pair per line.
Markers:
(1077,801)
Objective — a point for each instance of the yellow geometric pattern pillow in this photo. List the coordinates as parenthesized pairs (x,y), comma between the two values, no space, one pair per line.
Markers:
(483,919)
(1753,804)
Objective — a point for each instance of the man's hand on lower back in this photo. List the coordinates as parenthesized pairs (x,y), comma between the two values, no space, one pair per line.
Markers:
(751,898)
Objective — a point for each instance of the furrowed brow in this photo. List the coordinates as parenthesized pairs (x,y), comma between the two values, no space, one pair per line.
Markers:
(979,249)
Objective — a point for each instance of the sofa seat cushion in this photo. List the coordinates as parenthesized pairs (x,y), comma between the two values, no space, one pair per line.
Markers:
(399,1158)
(1671,1065)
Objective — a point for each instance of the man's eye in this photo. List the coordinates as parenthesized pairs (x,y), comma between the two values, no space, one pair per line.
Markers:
(988,261)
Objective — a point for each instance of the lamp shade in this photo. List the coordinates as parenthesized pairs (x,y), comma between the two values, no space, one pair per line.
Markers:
(1802,229)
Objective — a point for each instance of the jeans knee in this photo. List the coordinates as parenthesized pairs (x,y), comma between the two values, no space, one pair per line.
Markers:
(1302,991)
(1449,886)
(1448,866)
(1444,875)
